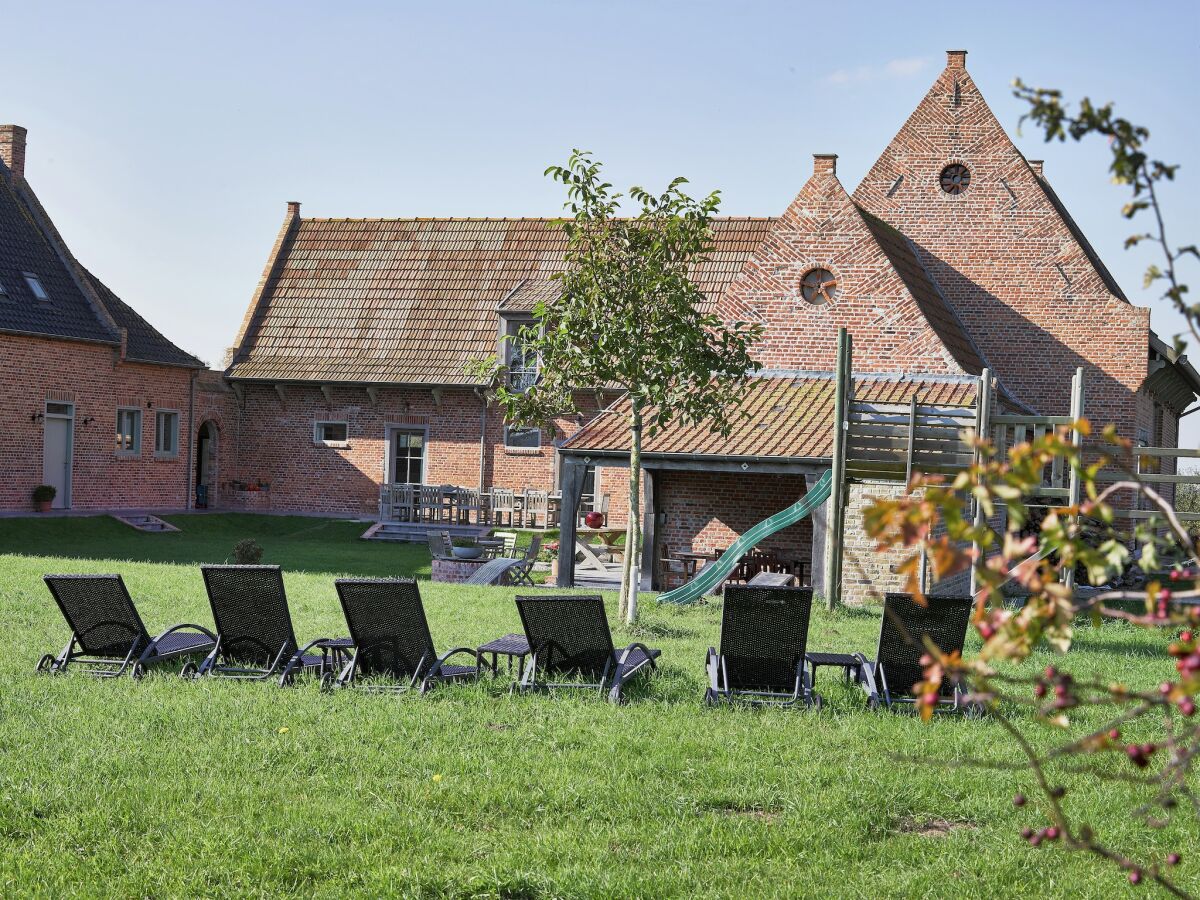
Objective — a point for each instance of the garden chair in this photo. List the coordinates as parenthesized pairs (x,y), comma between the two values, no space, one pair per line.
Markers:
(896,669)
(401,506)
(107,634)
(255,638)
(764,637)
(466,501)
(391,638)
(440,545)
(504,504)
(430,505)
(522,572)
(569,635)
(509,546)
(536,509)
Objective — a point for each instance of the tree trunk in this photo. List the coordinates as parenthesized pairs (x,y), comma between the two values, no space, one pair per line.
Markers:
(630,570)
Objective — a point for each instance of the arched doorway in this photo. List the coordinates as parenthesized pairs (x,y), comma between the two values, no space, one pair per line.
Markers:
(206,466)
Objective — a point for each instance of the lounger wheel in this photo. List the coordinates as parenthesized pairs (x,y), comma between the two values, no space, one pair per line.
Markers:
(138,672)
(189,670)
(816,703)
(327,683)
(46,663)
(873,703)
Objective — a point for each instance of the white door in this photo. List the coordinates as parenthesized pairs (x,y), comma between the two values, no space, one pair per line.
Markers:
(56,451)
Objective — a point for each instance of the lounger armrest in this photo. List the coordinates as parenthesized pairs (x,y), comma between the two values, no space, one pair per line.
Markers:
(638,645)
(867,678)
(712,664)
(314,643)
(441,660)
(183,626)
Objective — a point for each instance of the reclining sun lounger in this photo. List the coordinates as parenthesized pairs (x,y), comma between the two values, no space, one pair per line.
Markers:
(255,638)
(896,669)
(391,638)
(764,636)
(107,634)
(569,635)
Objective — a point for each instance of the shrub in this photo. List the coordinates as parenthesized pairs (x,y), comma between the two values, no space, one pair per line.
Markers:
(44,492)
(248,552)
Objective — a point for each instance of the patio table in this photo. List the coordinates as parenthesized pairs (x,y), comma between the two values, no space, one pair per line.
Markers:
(514,646)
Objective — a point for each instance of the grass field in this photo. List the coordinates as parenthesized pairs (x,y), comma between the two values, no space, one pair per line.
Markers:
(167,788)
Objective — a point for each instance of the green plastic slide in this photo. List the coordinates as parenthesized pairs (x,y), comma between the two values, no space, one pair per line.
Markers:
(714,573)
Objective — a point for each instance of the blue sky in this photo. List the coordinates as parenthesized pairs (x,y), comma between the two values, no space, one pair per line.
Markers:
(166,138)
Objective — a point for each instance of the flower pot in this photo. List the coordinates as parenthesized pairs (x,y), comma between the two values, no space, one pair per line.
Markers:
(42,505)
(467,552)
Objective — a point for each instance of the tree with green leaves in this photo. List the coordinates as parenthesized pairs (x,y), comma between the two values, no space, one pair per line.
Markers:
(627,316)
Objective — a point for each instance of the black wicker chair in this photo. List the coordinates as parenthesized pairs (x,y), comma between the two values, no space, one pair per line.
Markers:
(107,634)
(255,638)
(391,638)
(764,636)
(896,669)
(569,635)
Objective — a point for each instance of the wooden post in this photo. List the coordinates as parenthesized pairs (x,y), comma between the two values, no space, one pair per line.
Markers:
(1075,488)
(820,525)
(572,490)
(983,418)
(649,530)
(835,526)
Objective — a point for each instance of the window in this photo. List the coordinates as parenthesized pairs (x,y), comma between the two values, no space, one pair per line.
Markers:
(819,287)
(522,362)
(408,455)
(331,432)
(166,433)
(522,438)
(955,179)
(129,431)
(35,285)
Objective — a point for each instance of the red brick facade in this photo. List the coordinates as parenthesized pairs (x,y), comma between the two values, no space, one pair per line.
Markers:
(90,377)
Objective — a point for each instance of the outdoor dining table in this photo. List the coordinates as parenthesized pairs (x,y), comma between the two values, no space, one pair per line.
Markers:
(692,561)
(608,540)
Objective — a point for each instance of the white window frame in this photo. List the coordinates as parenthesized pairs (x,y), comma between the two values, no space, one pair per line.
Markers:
(522,448)
(136,432)
(321,441)
(35,285)
(159,452)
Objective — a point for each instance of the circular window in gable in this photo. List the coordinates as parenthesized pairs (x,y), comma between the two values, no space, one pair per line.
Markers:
(819,287)
(955,179)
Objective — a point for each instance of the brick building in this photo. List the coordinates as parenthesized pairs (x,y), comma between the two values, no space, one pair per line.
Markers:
(93,400)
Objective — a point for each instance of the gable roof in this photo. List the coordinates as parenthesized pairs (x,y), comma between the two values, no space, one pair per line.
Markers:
(412,301)
(80,307)
(786,417)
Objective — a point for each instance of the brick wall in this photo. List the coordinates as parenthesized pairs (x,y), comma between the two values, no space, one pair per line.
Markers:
(704,511)
(89,376)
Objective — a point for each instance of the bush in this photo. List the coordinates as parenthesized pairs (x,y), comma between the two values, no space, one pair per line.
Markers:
(248,552)
(44,492)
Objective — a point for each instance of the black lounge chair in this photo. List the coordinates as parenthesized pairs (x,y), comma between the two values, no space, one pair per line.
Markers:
(255,638)
(569,635)
(764,636)
(391,637)
(107,634)
(896,669)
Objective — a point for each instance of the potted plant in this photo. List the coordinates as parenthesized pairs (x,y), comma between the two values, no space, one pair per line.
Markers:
(465,548)
(43,496)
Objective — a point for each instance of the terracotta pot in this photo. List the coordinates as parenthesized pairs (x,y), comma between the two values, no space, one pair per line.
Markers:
(42,505)
(593,519)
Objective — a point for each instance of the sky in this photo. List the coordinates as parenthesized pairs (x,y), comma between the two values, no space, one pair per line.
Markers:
(166,138)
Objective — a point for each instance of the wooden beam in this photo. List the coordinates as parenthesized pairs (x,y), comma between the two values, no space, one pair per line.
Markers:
(820,525)
(1075,486)
(279,391)
(373,394)
(843,389)
(437,396)
(572,489)
(327,392)
(649,530)
(983,411)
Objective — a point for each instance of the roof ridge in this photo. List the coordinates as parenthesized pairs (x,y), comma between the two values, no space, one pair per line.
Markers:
(497,218)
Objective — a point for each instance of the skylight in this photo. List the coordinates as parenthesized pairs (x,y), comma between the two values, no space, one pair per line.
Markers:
(35,285)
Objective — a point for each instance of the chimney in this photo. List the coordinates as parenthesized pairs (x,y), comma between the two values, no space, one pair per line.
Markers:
(825,164)
(956,59)
(1036,165)
(12,148)
(293,209)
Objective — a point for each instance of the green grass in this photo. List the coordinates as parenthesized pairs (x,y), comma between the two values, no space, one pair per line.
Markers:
(167,788)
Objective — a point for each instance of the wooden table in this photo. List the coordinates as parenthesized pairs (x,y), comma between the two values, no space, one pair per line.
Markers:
(608,540)
(693,560)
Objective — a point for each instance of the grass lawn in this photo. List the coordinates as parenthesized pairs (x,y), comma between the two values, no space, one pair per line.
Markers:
(166,788)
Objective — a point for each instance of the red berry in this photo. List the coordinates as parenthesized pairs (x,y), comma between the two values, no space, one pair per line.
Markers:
(1164,595)
(1051,833)
(1135,877)
(1114,734)
(1039,690)
(986,631)
(1165,688)
(1173,859)
(1187,706)
(1035,840)
(1019,800)
(930,698)
(1026,832)
(1050,671)
(1186,637)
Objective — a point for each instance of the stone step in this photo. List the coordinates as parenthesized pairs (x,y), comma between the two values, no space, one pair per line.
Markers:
(417,533)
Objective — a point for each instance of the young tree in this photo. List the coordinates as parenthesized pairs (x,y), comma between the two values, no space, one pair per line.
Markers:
(627,316)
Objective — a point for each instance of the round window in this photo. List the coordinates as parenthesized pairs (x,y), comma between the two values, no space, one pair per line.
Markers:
(955,179)
(819,286)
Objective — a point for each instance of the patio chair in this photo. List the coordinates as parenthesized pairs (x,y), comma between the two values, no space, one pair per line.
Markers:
(391,638)
(504,504)
(107,634)
(896,669)
(569,635)
(255,638)
(764,636)
(400,507)
(536,509)
(466,501)
(522,572)
(430,504)
(440,545)
(510,543)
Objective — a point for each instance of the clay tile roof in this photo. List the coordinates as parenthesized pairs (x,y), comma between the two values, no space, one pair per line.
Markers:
(411,301)
(781,418)
(144,343)
(933,305)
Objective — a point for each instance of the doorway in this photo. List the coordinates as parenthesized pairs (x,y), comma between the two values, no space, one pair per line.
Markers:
(58,440)
(406,461)
(206,465)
